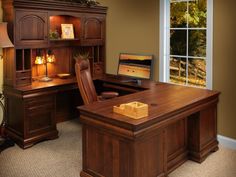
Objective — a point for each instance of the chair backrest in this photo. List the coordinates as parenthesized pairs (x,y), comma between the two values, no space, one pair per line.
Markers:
(85,81)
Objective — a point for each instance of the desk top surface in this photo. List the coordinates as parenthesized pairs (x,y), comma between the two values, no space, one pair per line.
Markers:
(57,82)
(164,100)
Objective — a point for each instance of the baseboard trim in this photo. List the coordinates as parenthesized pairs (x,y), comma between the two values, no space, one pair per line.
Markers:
(227,142)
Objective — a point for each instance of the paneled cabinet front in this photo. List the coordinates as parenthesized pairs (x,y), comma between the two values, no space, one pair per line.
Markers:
(40,115)
(31,117)
(93,30)
(31,28)
(40,122)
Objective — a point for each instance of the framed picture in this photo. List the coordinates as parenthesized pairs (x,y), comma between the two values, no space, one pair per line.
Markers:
(67,31)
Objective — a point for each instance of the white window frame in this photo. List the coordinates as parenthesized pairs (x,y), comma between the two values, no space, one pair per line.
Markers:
(164,38)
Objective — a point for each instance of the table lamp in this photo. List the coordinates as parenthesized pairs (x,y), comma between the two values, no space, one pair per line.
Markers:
(5,42)
(40,59)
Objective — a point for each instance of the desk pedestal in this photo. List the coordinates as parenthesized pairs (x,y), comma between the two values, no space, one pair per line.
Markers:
(110,151)
(110,154)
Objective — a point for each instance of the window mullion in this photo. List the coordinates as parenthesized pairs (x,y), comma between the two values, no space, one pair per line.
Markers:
(188,28)
(184,56)
(187,41)
(209,44)
(168,44)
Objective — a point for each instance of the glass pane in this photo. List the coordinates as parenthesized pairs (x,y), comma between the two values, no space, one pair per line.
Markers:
(178,42)
(197,43)
(178,70)
(178,11)
(197,72)
(197,13)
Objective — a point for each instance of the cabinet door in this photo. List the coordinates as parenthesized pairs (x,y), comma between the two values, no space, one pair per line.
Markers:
(31,28)
(40,115)
(93,30)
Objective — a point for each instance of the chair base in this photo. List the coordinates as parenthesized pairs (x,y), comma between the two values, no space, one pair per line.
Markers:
(5,143)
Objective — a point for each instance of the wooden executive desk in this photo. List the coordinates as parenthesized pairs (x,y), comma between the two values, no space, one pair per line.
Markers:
(181,125)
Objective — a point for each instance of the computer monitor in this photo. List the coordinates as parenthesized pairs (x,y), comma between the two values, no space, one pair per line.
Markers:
(137,66)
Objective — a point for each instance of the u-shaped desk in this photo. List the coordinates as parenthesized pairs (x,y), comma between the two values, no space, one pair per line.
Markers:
(181,125)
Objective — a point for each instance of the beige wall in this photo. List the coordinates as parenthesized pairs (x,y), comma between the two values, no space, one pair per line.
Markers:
(133,26)
(224,62)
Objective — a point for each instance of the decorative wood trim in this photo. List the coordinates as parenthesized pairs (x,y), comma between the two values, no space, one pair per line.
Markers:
(58,5)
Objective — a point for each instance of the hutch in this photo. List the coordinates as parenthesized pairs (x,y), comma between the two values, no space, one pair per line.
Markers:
(33,107)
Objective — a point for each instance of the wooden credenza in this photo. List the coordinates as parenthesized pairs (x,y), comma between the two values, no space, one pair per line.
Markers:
(33,108)
(182,124)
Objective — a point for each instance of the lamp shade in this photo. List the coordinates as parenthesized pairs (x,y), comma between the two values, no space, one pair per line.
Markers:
(39,60)
(5,42)
(50,57)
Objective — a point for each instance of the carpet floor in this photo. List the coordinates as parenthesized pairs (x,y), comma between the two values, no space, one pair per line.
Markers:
(63,158)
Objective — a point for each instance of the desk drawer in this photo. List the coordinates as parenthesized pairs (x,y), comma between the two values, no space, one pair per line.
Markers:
(40,100)
(39,115)
(98,69)
(23,74)
(39,121)
(119,88)
(23,81)
(23,78)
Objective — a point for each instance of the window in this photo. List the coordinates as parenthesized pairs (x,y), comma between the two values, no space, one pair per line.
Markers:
(186,42)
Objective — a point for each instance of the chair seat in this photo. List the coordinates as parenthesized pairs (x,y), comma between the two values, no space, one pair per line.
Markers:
(108,95)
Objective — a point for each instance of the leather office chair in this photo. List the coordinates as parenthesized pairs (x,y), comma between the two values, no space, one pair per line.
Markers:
(85,83)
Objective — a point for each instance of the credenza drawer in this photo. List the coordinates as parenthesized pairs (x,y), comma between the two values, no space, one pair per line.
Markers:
(40,101)
(23,74)
(23,81)
(40,115)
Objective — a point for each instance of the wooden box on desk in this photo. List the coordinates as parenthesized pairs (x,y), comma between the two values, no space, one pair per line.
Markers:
(135,110)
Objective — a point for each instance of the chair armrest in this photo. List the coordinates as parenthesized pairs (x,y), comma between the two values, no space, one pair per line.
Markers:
(108,95)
